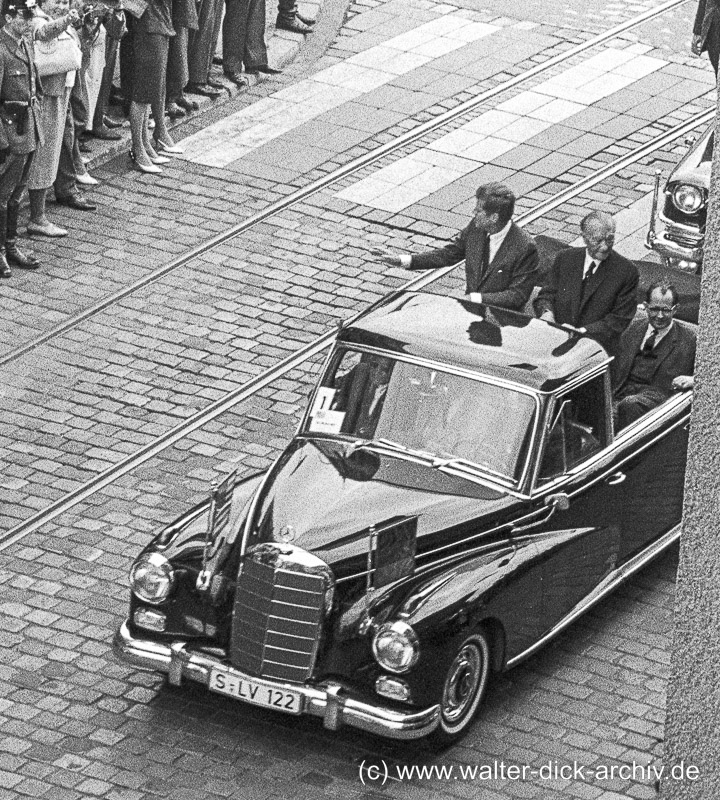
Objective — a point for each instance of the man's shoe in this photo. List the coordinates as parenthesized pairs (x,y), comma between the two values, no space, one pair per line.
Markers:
(304,19)
(237,78)
(204,89)
(105,133)
(46,228)
(109,122)
(215,84)
(5,271)
(174,111)
(187,104)
(264,68)
(17,258)
(76,201)
(294,25)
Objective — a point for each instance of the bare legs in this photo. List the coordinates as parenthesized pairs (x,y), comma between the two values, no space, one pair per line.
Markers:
(142,145)
(138,131)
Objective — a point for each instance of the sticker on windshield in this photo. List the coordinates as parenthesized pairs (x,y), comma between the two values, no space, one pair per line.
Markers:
(324,421)
(323,400)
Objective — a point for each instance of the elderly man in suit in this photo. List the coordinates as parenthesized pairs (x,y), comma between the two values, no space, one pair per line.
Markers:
(591,289)
(655,358)
(19,127)
(500,258)
(706,31)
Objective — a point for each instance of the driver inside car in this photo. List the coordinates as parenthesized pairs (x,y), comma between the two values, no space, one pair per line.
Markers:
(361,394)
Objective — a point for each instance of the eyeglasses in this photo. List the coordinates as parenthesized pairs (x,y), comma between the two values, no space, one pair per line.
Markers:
(661,310)
(594,242)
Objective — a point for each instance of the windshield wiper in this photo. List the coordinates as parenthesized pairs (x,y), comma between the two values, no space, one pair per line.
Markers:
(389,444)
(441,463)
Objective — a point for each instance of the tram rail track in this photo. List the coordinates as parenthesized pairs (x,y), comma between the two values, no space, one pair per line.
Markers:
(336,175)
(257,383)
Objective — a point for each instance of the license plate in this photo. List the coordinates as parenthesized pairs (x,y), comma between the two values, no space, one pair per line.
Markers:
(260,694)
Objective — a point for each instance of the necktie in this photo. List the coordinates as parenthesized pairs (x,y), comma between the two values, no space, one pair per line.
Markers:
(590,271)
(485,258)
(647,348)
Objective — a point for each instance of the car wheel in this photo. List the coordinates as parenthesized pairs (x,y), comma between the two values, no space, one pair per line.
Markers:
(464,686)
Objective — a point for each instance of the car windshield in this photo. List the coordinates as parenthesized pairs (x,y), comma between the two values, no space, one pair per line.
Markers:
(456,420)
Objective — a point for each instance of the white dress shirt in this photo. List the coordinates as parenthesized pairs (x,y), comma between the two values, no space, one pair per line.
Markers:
(659,334)
(495,241)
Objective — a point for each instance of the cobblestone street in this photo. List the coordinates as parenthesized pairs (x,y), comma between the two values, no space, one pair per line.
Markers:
(132,328)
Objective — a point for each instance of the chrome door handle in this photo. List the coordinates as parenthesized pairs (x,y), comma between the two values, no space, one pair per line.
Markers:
(618,477)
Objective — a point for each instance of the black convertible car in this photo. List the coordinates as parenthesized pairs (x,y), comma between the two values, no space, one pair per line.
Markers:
(455,496)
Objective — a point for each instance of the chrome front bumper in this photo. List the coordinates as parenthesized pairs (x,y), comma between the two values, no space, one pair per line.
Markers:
(667,248)
(329,700)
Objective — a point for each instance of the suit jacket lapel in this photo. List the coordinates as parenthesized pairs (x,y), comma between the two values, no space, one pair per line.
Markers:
(504,255)
(594,281)
(635,336)
(665,347)
(575,285)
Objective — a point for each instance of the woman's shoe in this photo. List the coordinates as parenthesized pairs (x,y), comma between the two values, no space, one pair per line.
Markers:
(156,159)
(171,149)
(86,179)
(149,168)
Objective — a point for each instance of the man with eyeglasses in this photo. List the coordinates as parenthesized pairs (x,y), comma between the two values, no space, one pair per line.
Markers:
(656,357)
(591,289)
(19,126)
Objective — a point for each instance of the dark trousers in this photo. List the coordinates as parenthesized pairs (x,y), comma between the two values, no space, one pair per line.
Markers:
(177,66)
(243,33)
(287,9)
(127,59)
(103,101)
(13,178)
(67,166)
(202,42)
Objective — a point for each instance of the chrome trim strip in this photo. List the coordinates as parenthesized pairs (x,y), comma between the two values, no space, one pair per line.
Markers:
(330,701)
(653,419)
(612,581)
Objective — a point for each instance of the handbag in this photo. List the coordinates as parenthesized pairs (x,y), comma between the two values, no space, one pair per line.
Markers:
(58,55)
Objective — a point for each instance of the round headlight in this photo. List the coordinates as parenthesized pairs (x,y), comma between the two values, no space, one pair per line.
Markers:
(687,198)
(396,647)
(152,578)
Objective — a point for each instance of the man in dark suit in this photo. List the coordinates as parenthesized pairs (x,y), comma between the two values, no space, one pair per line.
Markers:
(655,358)
(591,289)
(706,31)
(19,127)
(500,258)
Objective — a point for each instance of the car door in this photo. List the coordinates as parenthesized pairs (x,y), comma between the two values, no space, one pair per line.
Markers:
(652,475)
(580,542)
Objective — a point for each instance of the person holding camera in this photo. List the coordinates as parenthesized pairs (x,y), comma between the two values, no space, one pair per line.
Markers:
(57,66)
(19,127)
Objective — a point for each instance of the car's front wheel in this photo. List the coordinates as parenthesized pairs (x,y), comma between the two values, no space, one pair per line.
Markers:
(464,686)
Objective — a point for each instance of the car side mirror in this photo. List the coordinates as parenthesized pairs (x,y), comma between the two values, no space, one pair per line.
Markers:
(559,501)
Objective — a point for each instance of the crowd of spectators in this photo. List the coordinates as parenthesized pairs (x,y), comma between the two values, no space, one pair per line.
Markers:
(58,69)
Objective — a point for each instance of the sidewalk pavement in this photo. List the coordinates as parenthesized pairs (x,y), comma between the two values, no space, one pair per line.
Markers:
(283,49)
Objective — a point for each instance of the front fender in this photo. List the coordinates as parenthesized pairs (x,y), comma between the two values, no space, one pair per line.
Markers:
(493,590)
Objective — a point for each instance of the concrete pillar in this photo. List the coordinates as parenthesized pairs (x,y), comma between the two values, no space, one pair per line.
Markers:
(692,727)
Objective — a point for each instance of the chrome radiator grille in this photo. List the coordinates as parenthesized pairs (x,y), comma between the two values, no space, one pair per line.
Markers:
(278,614)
